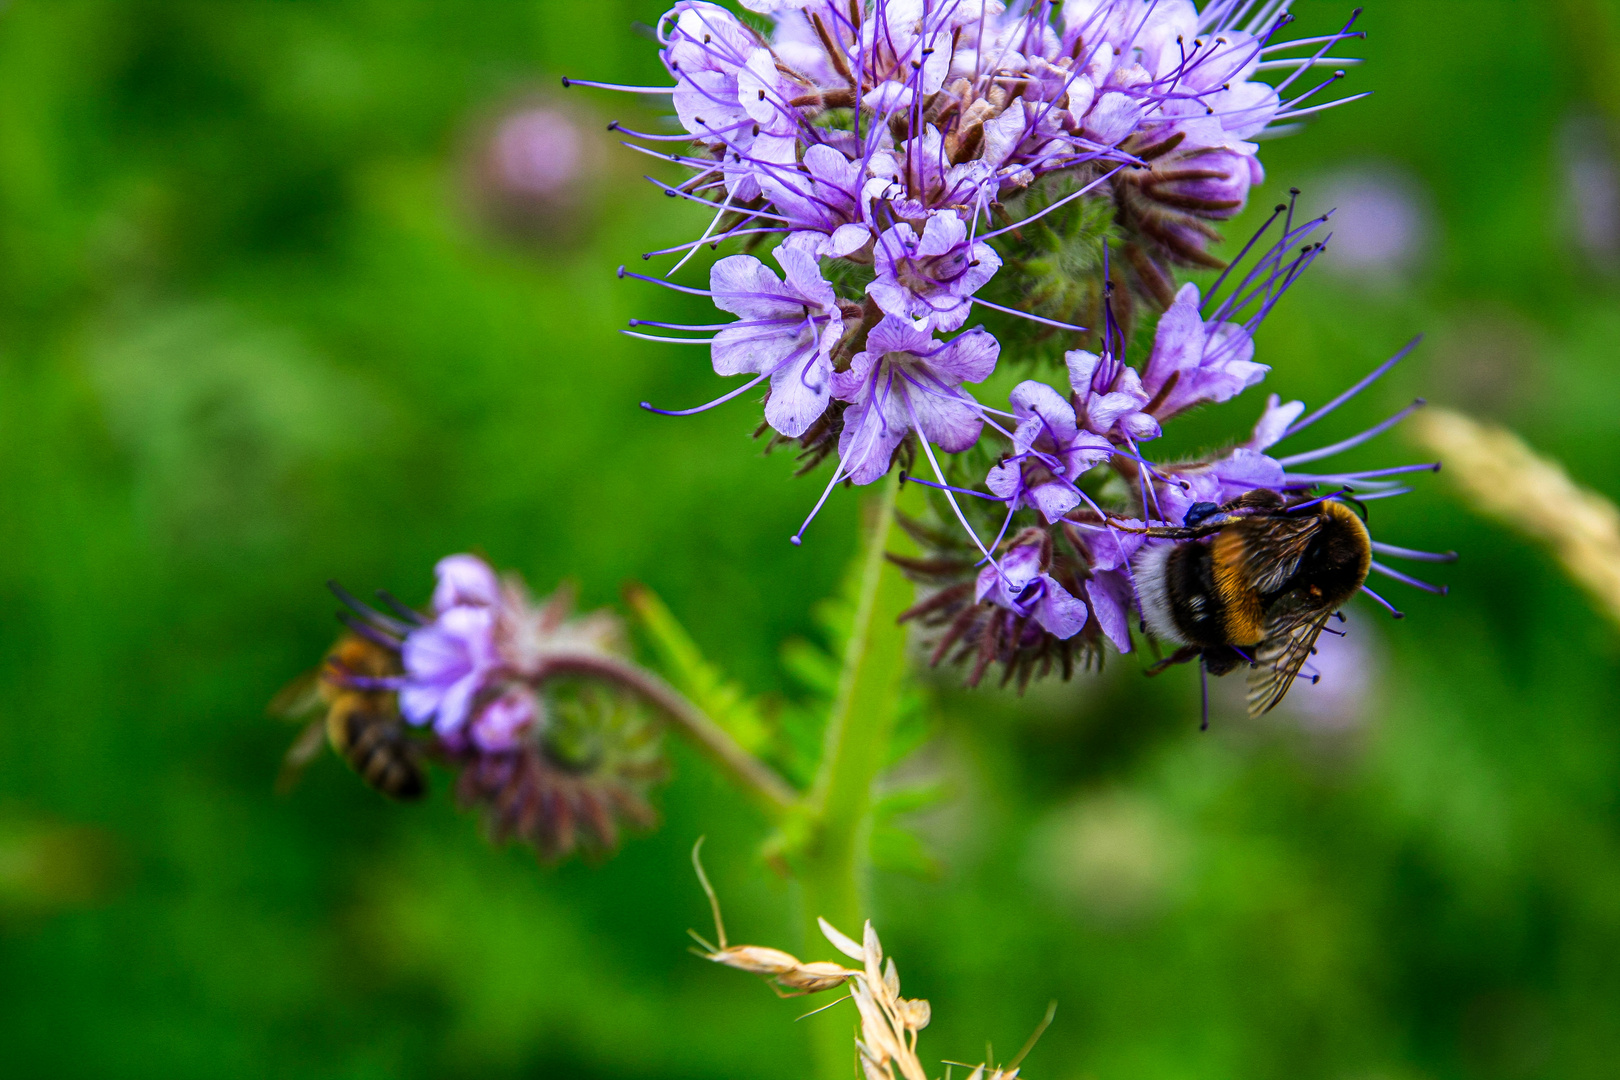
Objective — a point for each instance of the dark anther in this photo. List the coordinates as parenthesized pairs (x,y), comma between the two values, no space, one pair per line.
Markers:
(566,83)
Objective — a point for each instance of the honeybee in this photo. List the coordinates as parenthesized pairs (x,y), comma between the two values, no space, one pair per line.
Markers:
(362,724)
(1259,591)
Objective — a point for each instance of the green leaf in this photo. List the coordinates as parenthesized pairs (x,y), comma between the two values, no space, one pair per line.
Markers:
(899,851)
(910,799)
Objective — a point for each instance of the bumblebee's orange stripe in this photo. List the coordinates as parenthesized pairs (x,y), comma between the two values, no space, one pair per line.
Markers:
(1244,620)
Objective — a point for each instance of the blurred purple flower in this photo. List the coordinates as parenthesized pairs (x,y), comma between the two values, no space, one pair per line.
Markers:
(448,663)
(537,152)
(464,580)
(1591,187)
(500,725)
(1382,227)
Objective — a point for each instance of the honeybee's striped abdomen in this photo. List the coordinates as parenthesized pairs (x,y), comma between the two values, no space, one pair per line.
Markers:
(376,746)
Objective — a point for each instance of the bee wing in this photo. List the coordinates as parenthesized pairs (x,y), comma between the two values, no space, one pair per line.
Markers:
(298,698)
(1289,641)
(304,750)
(1276,545)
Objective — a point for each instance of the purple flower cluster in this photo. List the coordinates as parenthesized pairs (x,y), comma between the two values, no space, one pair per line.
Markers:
(471,671)
(526,702)
(1053,592)
(895,157)
(888,138)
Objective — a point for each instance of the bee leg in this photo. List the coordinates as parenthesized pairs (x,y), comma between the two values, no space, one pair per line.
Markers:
(1223,659)
(1203,691)
(1167,532)
(1180,656)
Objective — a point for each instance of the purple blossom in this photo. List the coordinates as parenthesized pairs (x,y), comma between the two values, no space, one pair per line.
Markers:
(1194,362)
(464,580)
(1110,588)
(823,195)
(788,329)
(930,280)
(907,380)
(500,725)
(1109,397)
(448,663)
(1022,586)
(1050,452)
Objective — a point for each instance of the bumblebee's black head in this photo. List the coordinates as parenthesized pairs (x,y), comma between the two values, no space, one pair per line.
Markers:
(1339,557)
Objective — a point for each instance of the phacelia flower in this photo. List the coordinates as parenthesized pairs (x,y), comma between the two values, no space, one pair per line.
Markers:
(535,708)
(787,332)
(892,139)
(1020,586)
(904,381)
(1058,589)
(449,664)
(1051,452)
(929,280)
(1023,612)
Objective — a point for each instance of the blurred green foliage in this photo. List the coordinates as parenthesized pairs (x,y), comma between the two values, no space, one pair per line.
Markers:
(253,334)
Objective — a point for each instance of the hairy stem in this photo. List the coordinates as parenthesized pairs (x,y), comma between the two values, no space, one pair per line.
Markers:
(834,861)
(753,776)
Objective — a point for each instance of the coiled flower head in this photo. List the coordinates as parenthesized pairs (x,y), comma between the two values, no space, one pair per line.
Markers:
(525,701)
(893,156)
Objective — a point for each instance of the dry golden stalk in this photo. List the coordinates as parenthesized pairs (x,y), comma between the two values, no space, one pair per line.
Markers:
(1510,482)
(890,1023)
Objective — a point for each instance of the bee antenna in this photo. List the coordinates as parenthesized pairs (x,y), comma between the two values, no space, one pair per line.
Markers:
(367,612)
(400,609)
(366,630)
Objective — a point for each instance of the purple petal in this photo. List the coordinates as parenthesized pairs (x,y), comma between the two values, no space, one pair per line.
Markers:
(755,349)
(868,441)
(1178,344)
(943,232)
(799,394)
(1053,499)
(950,420)
(500,725)
(897,335)
(969,357)
(1005,479)
(1274,422)
(745,286)
(1082,367)
(464,579)
(1111,594)
(1063,615)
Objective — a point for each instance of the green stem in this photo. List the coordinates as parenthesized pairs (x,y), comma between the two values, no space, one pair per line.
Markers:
(773,794)
(834,862)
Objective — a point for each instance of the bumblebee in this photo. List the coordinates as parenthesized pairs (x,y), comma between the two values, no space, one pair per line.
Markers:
(1253,582)
(361,722)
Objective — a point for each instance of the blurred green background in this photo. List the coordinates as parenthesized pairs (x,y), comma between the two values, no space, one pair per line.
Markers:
(263,322)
